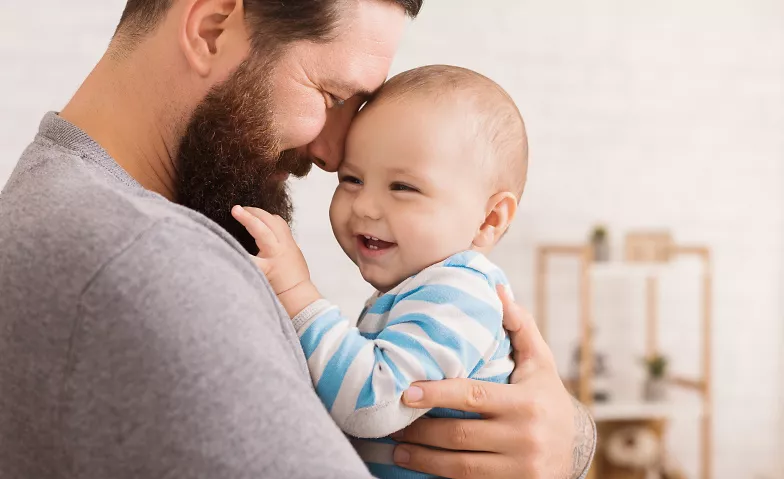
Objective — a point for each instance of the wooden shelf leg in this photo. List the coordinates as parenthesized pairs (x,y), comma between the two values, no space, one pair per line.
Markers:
(652,315)
(707,418)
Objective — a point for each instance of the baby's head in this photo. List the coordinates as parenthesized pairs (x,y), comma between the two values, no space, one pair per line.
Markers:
(435,164)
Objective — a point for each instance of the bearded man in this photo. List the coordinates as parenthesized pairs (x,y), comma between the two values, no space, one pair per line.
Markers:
(137,338)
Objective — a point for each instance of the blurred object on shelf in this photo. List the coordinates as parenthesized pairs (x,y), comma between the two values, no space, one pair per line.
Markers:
(655,382)
(636,448)
(648,246)
(601,389)
(600,242)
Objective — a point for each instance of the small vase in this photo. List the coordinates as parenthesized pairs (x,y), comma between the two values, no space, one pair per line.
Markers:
(655,389)
(601,249)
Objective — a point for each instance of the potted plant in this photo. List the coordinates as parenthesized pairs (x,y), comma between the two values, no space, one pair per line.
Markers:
(655,384)
(600,243)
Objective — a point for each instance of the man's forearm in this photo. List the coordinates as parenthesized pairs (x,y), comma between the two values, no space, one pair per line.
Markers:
(584,441)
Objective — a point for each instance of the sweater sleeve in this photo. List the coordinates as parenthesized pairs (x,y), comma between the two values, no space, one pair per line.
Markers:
(182,364)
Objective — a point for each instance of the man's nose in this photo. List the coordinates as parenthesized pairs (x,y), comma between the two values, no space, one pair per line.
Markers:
(327,150)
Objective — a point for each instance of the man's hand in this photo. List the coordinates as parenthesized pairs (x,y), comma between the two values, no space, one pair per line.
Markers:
(531,429)
(279,258)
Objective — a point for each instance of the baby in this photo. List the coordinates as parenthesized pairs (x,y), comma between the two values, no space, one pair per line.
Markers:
(434,169)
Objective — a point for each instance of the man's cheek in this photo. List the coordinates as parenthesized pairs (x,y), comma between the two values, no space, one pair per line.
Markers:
(299,128)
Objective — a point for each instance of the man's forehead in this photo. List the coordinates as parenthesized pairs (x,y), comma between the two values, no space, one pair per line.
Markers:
(367,41)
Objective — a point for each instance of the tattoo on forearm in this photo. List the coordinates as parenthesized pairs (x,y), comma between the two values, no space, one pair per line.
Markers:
(584,439)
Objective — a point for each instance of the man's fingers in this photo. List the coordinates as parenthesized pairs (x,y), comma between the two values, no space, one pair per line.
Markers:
(457,434)
(470,395)
(530,348)
(513,321)
(457,465)
(264,236)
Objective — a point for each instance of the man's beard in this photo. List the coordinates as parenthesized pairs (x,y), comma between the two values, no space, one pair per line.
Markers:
(230,155)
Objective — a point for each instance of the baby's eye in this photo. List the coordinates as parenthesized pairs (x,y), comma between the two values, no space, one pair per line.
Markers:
(403,187)
(353,180)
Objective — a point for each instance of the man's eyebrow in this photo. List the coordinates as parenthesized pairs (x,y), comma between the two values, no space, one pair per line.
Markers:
(352,89)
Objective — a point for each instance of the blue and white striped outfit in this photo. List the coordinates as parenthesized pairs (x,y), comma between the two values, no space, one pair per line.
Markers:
(444,322)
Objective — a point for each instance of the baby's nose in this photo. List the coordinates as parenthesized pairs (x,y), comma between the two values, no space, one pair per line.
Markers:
(365,206)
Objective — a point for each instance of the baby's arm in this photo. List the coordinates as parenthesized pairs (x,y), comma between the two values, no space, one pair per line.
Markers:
(279,258)
(442,327)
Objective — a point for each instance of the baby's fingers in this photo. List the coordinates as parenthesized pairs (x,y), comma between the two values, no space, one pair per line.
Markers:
(265,238)
(262,264)
(274,222)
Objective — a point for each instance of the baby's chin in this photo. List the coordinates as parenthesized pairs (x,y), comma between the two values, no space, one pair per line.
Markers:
(383,287)
(381,284)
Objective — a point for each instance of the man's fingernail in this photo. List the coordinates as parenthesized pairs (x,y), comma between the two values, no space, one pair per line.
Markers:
(401,456)
(414,394)
(397,435)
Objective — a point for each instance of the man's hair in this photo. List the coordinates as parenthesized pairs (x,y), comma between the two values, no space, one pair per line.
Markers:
(496,117)
(277,20)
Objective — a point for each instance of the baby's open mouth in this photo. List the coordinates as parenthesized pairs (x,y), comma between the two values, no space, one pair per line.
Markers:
(374,244)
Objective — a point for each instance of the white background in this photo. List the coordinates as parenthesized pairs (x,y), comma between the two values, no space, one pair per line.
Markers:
(641,114)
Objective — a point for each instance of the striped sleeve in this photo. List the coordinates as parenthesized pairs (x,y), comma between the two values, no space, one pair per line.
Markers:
(445,325)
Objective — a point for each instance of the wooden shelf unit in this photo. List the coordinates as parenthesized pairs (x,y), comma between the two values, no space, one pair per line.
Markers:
(655,414)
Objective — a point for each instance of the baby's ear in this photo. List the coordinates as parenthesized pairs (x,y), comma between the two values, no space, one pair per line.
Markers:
(500,211)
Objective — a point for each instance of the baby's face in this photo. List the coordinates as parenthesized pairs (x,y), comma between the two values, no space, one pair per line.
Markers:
(411,189)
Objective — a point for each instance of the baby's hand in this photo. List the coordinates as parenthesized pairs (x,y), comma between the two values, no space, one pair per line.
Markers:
(279,258)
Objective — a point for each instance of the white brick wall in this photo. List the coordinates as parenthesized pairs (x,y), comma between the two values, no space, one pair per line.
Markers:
(667,113)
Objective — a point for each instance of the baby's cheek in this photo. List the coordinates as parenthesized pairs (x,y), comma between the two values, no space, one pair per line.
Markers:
(455,232)
(429,241)
(339,211)
(333,210)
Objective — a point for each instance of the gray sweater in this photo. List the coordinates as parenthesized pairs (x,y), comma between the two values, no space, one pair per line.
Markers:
(136,338)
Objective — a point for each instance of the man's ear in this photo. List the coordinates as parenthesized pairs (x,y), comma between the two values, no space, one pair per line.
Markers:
(207,28)
(501,210)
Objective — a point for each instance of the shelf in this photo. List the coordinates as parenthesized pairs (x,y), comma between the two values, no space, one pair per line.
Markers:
(621,269)
(631,410)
